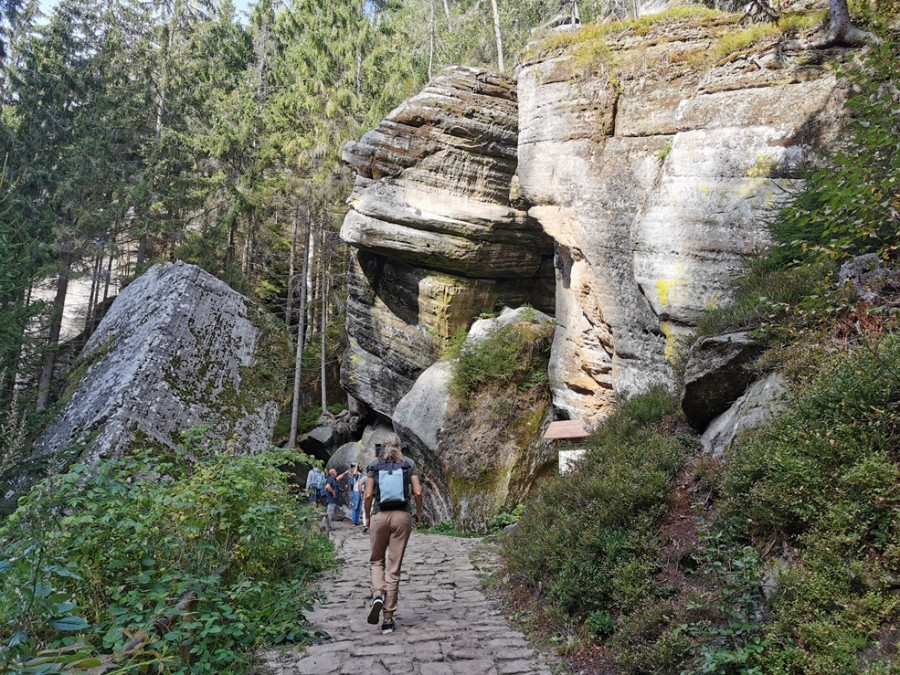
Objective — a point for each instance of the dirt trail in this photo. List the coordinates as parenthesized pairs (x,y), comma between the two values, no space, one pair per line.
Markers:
(445,624)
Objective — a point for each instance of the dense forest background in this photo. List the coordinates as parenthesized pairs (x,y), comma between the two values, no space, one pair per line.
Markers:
(136,132)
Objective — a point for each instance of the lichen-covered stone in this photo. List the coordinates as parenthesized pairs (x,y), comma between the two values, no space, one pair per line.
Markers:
(474,466)
(657,177)
(178,349)
(762,401)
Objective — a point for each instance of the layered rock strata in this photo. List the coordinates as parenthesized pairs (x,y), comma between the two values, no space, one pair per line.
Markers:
(656,174)
(439,231)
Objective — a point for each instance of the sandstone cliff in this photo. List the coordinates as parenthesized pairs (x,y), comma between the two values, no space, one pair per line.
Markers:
(648,159)
(440,231)
(656,172)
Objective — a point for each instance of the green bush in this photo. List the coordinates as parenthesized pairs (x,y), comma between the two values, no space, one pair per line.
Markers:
(849,207)
(505,519)
(107,552)
(514,354)
(826,476)
(588,540)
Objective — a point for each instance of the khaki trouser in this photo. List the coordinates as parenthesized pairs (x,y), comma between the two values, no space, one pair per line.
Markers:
(389,532)
(325,525)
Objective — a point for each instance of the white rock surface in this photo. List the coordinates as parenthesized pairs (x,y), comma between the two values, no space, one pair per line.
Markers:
(761,402)
(655,187)
(177,349)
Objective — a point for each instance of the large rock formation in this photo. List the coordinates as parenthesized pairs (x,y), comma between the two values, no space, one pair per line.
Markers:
(656,177)
(440,232)
(482,460)
(177,349)
(653,169)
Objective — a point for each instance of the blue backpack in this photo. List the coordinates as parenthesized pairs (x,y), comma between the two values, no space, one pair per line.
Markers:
(392,482)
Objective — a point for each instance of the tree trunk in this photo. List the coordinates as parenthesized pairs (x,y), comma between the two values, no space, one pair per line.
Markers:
(108,280)
(291,282)
(94,292)
(56,318)
(323,272)
(841,31)
(499,37)
(311,286)
(431,42)
(247,260)
(301,332)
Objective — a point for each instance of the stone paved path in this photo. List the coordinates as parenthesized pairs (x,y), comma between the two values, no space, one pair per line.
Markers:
(445,624)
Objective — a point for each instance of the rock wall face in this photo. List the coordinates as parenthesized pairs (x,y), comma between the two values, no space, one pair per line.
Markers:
(439,231)
(647,168)
(177,349)
(656,177)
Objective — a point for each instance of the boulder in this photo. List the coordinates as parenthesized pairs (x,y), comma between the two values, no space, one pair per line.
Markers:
(418,420)
(178,349)
(473,467)
(760,403)
(482,328)
(320,442)
(716,375)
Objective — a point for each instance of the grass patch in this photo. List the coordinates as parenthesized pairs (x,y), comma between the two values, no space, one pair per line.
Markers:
(516,354)
(588,44)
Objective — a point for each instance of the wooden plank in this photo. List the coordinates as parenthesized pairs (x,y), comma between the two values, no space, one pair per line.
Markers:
(566,429)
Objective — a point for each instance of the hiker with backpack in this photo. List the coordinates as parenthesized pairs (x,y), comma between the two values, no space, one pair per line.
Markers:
(332,498)
(315,484)
(392,482)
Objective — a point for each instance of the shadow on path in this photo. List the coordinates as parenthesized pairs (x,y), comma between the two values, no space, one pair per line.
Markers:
(445,623)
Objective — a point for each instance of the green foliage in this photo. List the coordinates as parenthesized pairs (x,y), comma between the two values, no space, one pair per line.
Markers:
(776,300)
(600,624)
(588,539)
(505,519)
(733,640)
(850,207)
(514,354)
(447,528)
(826,476)
(107,553)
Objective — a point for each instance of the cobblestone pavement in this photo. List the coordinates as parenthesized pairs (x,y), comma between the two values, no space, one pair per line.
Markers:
(445,624)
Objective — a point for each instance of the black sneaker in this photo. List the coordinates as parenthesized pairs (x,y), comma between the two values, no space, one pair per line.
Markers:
(375,611)
(387,627)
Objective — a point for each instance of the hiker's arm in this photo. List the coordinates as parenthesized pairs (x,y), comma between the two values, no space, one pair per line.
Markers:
(330,489)
(367,500)
(417,495)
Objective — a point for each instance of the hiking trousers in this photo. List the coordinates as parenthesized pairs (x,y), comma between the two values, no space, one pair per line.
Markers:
(389,533)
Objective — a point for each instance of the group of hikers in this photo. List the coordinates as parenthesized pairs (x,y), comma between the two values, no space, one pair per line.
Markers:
(383,497)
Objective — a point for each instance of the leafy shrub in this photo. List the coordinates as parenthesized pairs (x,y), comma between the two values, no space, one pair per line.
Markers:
(600,624)
(588,540)
(514,354)
(505,519)
(108,552)
(849,207)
